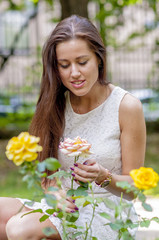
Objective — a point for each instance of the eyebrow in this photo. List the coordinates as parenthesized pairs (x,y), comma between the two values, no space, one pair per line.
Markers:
(82,56)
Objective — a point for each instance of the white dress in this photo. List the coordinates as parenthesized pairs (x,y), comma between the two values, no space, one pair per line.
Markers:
(100,127)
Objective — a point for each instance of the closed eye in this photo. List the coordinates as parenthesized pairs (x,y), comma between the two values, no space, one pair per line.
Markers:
(83,63)
(64,66)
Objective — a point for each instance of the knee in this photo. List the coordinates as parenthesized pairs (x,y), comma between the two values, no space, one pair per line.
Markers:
(11,229)
(15,230)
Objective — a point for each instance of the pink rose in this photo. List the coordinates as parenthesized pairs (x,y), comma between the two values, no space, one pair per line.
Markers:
(75,147)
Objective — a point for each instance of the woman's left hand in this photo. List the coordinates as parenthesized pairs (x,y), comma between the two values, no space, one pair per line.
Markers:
(89,171)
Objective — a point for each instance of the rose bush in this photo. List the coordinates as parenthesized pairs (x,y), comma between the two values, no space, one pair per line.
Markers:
(23,148)
(144,178)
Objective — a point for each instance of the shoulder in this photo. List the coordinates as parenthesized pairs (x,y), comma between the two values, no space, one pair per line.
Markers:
(130,110)
(130,103)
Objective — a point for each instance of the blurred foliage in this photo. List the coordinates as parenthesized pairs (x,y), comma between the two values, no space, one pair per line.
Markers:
(33,73)
(12,123)
(110,17)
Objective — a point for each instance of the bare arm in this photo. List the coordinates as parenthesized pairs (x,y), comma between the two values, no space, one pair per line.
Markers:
(133,140)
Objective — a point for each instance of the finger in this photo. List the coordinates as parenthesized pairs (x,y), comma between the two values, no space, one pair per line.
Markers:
(87,168)
(84,180)
(70,199)
(84,174)
(89,162)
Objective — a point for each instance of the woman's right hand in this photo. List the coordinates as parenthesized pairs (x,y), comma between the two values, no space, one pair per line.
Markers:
(65,203)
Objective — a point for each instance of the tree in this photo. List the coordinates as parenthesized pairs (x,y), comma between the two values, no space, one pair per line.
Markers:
(70,7)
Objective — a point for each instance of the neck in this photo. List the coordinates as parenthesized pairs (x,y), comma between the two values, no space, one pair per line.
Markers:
(84,104)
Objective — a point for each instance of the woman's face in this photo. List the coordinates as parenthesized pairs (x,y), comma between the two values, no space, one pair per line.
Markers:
(78,66)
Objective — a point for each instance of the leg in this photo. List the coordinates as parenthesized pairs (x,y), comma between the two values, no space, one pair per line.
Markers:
(9,207)
(29,227)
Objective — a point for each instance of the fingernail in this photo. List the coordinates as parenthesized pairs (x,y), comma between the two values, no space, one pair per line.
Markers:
(73,174)
(75,180)
(85,163)
(72,211)
(72,168)
(73,201)
(75,164)
(76,208)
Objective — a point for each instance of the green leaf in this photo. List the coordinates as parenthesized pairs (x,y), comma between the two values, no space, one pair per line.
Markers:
(49,231)
(105,215)
(60,174)
(41,166)
(80,191)
(126,235)
(70,192)
(109,203)
(116,226)
(145,223)
(52,164)
(86,203)
(72,217)
(156,219)
(123,185)
(147,207)
(43,218)
(118,210)
(94,238)
(34,211)
(76,235)
(71,225)
(50,211)
(84,185)
(51,200)
(142,197)
(60,215)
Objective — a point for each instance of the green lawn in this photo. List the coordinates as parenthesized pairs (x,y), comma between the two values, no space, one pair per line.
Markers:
(11,181)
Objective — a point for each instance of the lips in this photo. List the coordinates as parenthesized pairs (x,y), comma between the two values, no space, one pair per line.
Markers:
(78,83)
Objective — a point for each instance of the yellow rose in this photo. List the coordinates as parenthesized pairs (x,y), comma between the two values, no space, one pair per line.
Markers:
(144,178)
(23,148)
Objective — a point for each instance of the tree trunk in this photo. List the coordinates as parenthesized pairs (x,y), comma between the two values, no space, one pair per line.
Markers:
(70,7)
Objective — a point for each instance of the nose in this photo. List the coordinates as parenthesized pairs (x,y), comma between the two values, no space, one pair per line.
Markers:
(75,73)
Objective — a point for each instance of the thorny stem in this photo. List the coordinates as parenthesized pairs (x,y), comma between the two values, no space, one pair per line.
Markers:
(75,160)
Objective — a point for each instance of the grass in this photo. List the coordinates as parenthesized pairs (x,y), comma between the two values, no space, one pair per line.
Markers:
(11,184)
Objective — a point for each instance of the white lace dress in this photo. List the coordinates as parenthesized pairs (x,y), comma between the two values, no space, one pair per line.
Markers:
(100,127)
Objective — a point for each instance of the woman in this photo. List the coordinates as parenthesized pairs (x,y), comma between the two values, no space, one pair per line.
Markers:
(76,100)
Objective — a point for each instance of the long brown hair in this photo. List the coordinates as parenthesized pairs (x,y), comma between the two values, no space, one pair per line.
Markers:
(48,121)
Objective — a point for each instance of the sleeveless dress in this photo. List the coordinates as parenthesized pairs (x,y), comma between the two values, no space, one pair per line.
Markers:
(100,127)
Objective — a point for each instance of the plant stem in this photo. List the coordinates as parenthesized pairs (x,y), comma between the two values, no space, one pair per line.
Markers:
(90,224)
(75,160)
